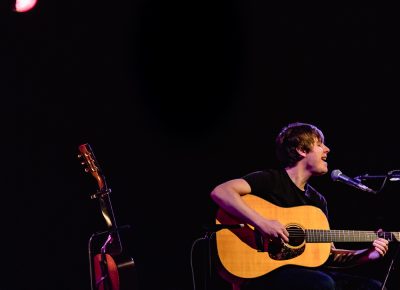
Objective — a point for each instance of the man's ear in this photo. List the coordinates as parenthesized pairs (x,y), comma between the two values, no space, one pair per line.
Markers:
(301,152)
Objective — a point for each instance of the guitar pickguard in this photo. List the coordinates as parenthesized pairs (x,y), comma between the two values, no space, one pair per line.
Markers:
(286,252)
(293,249)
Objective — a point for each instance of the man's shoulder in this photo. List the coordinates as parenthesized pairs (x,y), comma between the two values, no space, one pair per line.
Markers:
(314,194)
(264,172)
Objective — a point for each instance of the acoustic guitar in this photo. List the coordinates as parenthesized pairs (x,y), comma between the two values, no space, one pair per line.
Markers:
(244,254)
(113,270)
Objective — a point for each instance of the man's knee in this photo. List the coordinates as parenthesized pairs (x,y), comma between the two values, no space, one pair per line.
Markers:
(324,282)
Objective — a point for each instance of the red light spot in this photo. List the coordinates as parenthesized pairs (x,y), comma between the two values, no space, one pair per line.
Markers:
(24,5)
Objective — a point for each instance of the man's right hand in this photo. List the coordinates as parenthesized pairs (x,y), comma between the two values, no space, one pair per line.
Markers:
(273,229)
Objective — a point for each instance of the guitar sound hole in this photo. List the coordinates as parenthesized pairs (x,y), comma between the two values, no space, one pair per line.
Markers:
(296,235)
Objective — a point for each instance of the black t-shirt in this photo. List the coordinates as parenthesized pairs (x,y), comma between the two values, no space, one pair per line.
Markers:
(276,187)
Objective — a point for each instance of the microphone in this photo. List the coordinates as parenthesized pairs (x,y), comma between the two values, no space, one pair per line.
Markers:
(218,227)
(337,175)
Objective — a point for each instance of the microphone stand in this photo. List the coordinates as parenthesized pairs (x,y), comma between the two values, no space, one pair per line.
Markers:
(392,176)
(390,268)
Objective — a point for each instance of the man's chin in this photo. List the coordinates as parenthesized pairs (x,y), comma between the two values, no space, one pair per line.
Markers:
(321,172)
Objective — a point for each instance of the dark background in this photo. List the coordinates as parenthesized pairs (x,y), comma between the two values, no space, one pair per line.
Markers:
(174,98)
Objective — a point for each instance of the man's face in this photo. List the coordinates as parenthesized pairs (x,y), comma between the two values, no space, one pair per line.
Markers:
(316,158)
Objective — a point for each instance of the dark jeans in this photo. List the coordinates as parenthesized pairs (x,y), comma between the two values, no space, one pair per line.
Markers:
(298,278)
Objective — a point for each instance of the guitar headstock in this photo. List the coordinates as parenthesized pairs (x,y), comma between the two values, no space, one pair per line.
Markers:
(91,166)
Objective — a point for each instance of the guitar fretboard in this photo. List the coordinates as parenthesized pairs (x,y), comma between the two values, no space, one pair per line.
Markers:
(324,236)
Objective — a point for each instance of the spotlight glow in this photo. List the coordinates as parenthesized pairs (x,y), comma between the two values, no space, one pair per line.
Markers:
(24,5)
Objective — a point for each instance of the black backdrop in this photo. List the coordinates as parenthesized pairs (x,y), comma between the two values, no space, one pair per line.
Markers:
(174,98)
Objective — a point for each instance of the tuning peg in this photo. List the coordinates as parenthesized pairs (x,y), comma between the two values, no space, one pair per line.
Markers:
(86,169)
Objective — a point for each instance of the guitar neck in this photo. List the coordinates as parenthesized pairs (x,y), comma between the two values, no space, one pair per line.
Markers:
(108,214)
(107,211)
(325,236)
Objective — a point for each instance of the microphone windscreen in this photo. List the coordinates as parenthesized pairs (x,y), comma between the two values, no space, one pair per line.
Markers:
(335,174)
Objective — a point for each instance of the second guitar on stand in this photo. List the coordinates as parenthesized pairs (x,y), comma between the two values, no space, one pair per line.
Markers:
(110,268)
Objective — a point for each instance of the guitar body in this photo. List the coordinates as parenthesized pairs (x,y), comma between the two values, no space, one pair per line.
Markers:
(120,273)
(239,250)
(105,266)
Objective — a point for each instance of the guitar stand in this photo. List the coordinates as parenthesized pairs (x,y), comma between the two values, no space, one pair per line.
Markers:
(390,269)
(93,283)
